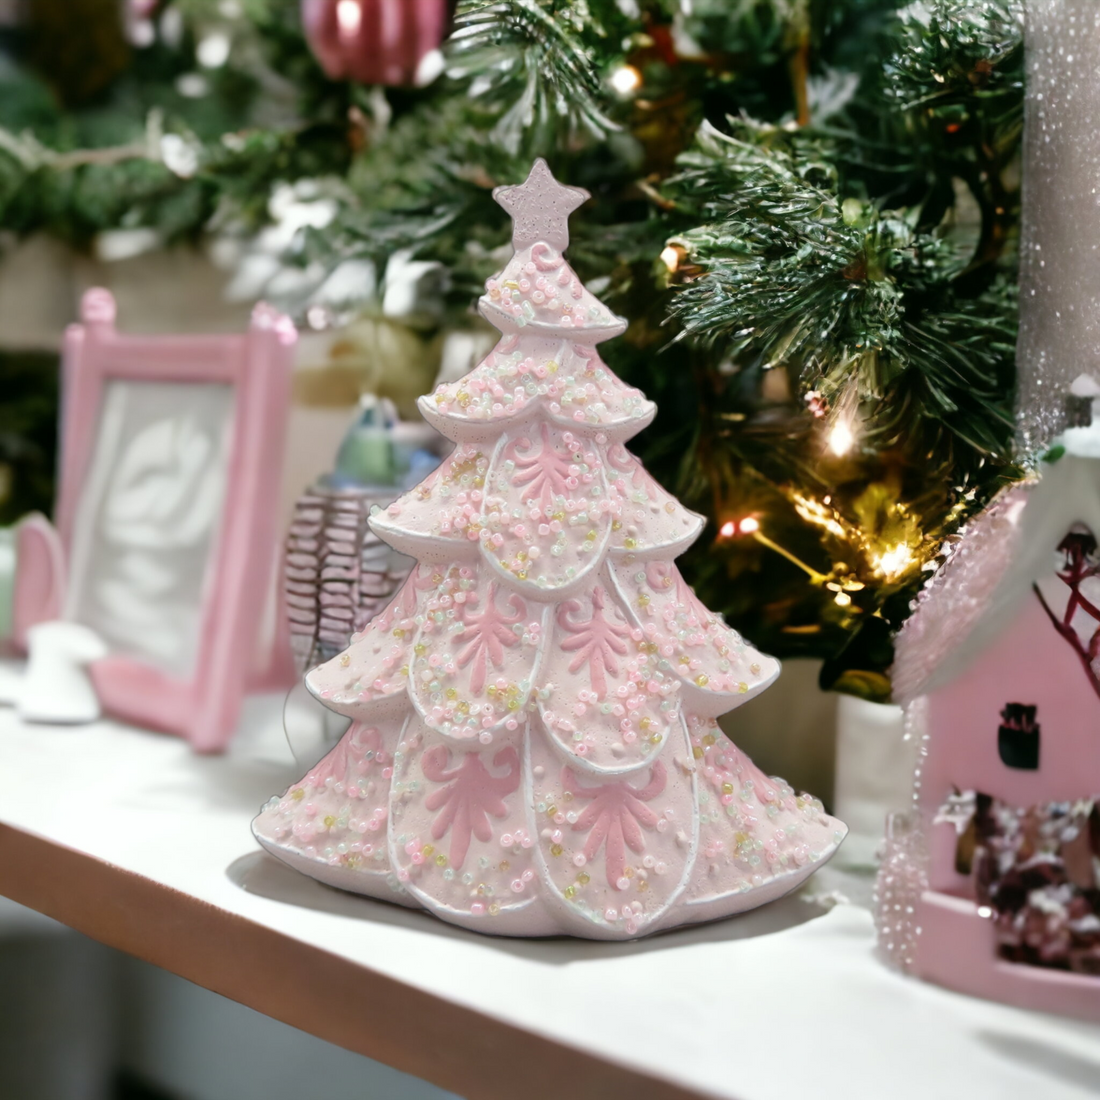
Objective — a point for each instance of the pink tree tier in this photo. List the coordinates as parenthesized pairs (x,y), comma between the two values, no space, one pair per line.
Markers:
(534,747)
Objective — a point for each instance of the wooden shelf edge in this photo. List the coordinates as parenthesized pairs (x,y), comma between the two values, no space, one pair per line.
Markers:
(459,1049)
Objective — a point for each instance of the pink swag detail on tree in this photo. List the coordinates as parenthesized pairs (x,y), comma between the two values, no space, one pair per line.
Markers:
(596,643)
(615,815)
(486,634)
(471,794)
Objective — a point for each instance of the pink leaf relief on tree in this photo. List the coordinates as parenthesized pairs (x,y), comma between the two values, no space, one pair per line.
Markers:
(615,815)
(665,575)
(358,753)
(620,459)
(543,471)
(596,642)
(470,796)
(486,633)
(403,605)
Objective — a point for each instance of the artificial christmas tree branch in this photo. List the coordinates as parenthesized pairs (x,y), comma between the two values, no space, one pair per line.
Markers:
(806,209)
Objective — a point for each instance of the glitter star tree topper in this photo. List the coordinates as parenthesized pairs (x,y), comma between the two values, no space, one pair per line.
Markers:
(534,748)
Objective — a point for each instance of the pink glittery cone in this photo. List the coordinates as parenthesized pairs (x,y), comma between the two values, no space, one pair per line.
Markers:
(534,748)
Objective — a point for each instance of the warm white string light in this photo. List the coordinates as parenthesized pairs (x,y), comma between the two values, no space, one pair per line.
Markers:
(626,80)
(841,438)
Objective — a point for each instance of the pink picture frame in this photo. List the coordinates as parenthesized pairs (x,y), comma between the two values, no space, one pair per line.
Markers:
(228,655)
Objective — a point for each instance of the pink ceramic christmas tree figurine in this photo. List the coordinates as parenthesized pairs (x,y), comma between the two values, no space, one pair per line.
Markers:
(534,748)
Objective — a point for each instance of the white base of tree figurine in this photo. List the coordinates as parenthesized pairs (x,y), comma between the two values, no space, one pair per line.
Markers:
(534,748)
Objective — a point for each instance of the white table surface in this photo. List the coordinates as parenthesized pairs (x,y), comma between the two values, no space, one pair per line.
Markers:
(786,1000)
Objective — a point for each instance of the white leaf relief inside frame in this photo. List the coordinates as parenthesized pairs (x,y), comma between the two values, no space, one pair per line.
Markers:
(147,525)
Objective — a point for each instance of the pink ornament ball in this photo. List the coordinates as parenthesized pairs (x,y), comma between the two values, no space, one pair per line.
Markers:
(375,41)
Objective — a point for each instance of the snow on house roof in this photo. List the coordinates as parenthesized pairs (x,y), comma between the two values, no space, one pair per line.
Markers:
(976,595)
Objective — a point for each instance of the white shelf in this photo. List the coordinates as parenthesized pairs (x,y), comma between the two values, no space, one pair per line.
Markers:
(132,839)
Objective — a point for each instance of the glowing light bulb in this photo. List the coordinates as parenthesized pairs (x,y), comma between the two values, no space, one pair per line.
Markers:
(731,527)
(670,257)
(841,437)
(213,50)
(894,562)
(349,16)
(626,80)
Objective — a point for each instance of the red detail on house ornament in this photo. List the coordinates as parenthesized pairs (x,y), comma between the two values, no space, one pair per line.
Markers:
(1080,563)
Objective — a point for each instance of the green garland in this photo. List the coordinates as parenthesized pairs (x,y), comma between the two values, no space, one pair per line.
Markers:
(807,210)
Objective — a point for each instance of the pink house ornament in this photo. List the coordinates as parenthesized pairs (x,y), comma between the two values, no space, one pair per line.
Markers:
(533,748)
(991,883)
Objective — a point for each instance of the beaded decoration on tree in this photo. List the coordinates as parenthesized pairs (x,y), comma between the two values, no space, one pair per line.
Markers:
(533,748)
